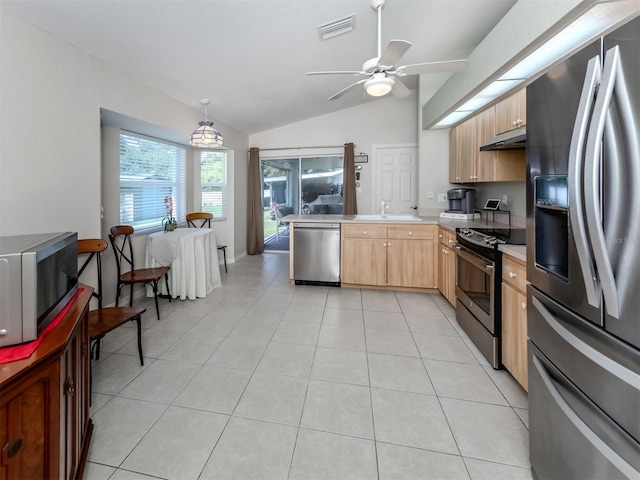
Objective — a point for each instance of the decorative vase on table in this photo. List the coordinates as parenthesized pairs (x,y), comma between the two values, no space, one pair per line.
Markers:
(169,222)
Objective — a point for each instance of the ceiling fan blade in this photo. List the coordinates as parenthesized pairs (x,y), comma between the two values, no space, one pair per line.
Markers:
(348,89)
(393,51)
(432,67)
(337,72)
(400,90)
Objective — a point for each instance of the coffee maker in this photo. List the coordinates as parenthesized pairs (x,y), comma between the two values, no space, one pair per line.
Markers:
(461,200)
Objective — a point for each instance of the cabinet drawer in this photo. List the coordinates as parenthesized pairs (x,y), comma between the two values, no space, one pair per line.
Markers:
(412,232)
(514,273)
(447,237)
(366,230)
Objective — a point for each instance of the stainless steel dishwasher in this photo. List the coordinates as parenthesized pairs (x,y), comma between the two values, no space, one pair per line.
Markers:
(316,253)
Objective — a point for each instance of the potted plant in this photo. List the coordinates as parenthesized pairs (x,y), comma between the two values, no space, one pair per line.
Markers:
(169,222)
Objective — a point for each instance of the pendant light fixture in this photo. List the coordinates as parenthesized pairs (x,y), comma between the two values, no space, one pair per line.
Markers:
(205,136)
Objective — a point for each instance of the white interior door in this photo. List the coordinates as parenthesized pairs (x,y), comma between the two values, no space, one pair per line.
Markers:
(396,178)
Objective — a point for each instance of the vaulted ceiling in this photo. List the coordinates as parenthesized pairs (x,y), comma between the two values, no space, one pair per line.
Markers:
(250,56)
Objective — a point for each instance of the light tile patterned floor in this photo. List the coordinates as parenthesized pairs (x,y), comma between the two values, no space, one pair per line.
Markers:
(267,380)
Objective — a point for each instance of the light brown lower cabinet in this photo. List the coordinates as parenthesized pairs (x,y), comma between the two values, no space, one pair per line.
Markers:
(447,265)
(385,255)
(514,319)
(410,263)
(364,261)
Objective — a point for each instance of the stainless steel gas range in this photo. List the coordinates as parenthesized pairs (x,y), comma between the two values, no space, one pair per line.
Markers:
(478,285)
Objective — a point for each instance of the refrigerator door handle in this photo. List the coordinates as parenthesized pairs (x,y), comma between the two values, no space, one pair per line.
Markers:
(593,203)
(576,172)
(615,459)
(614,368)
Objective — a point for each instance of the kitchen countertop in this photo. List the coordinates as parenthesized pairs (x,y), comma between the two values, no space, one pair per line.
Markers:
(516,251)
(448,223)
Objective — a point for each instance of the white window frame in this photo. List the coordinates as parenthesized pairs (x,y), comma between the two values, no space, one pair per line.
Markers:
(220,210)
(175,188)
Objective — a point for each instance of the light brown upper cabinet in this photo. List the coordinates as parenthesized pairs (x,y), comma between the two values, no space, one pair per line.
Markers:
(467,164)
(511,112)
(454,157)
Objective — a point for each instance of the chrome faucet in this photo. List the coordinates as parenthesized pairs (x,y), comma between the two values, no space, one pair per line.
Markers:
(383,208)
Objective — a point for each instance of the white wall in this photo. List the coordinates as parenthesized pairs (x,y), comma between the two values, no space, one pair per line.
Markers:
(506,44)
(434,151)
(381,121)
(50,146)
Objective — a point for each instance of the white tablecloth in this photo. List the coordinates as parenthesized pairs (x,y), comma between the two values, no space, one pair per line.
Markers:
(193,256)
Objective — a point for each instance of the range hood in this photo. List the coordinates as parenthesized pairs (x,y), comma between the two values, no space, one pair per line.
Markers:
(511,140)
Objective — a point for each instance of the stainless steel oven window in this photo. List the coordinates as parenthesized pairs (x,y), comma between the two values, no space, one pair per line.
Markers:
(475,280)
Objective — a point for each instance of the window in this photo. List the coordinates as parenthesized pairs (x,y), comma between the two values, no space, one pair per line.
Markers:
(150,170)
(213,183)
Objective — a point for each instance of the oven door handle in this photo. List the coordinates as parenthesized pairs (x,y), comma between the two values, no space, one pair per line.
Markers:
(485,265)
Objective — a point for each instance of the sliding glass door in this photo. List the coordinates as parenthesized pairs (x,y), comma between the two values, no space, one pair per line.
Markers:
(298,185)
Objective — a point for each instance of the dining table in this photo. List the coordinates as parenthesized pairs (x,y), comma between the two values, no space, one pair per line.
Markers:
(193,256)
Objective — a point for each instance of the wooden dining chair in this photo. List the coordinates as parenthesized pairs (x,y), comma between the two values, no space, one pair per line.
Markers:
(199,219)
(103,320)
(204,218)
(120,238)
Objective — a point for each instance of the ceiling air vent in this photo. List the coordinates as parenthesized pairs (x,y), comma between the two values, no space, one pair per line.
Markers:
(337,27)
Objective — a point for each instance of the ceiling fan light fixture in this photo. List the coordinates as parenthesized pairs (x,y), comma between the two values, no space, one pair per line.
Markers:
(205,136)
(379,86)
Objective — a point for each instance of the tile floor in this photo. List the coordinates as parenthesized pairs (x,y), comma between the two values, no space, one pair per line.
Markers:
(267,380)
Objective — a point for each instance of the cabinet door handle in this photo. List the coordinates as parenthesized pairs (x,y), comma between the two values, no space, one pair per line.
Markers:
(440,235)
(512,275)
(71,388)
(523,305)
(388,244)
(13,448)
(410,234)
(364,233)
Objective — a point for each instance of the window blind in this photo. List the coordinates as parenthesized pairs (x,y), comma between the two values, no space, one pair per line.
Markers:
(213,183)
(150,171)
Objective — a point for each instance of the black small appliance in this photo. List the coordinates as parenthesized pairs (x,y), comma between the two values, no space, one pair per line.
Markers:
(461,200)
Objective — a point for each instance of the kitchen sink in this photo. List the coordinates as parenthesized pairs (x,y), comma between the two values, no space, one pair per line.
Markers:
(390,218)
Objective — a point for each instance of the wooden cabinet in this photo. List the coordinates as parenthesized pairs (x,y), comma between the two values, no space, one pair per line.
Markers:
(454,157)
(389,255)
(514,319)
(447,265)
(467,143)
(364,261)
(511,112)
(45,427)
(467,164)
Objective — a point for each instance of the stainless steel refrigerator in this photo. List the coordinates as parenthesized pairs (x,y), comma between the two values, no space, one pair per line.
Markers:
(583,253)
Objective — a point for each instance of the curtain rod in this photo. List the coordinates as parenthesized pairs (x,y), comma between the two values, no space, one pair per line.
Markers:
(299,148)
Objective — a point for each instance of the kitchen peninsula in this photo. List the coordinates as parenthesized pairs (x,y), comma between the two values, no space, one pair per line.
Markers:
(389,252)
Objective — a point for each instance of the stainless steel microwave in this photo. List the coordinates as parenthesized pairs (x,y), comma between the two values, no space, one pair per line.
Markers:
(38,276)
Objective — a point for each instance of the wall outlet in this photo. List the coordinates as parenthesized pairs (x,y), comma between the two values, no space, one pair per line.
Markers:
(504,199)
(430,194)
(442,198)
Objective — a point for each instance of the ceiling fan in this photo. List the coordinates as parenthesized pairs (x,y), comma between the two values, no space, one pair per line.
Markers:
(381,70)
